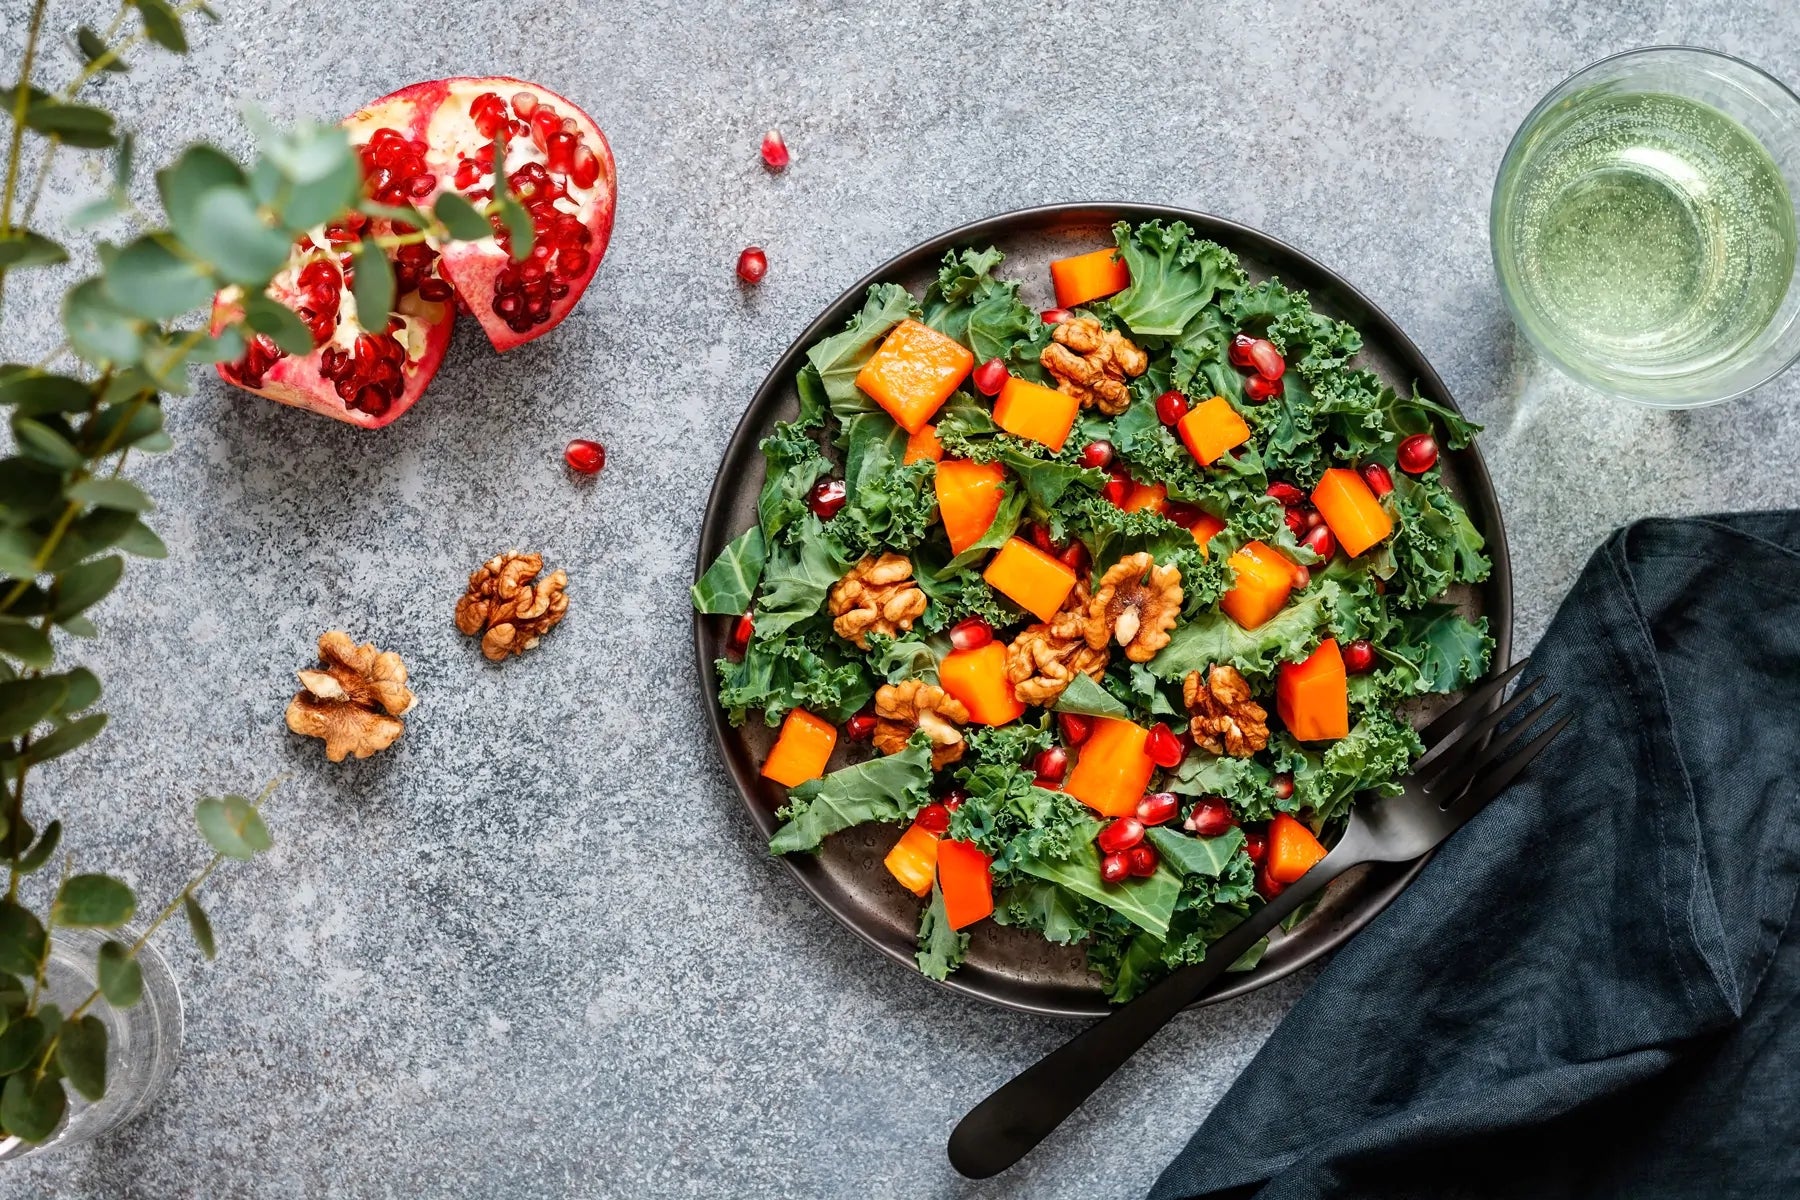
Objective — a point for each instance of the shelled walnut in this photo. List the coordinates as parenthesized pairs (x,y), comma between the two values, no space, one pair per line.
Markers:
(1044,658)
(913,704)
(353,699)
(1226,720)
(878,595)
(1092,363)
(1136,605)
(509,606)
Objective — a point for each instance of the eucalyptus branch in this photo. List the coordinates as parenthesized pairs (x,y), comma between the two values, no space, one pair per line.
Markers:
(37,183)
(21,101)
(115,51)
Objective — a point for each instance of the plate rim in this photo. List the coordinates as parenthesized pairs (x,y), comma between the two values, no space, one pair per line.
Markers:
(1482,501)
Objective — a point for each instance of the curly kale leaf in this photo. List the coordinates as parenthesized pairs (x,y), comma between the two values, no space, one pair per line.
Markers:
(1246,784)
(798,574)
(1435,544)
(1128,961)
(1435,649)
(941,948)
(838,358)
(889,504)
(1147,903)
(895,659)
(891,788)
(984,313)
(1174,275)
(1214,637)
(795,462)
(801,669)
(1058,914)
(953,595)
(1374,757)
(1305,338)
(729,584)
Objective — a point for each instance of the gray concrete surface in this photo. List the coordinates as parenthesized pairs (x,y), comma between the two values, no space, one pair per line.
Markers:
(534,950)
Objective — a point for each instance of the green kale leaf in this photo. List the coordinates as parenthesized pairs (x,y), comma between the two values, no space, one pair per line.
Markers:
(839,358)
(1174,275)
(985,314)
(730,583)
(941,948)
(1435,543)
(1214,637)
(1060,915)
(796,577)
(891,788)
(799,669)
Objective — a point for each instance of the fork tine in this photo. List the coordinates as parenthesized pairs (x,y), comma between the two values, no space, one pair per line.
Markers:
(1455,777)
(1470,705)
(1467,736)
(1477,797)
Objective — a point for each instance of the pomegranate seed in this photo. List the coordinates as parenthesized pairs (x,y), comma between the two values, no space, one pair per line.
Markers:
(971,633)
(774,151)
(1258,389)
(1075,557)
(1286,494)
(741,630)
(1183,515)
(1284,785)
(1171,406)
(1359,656)
(1417,454)
(1158,808)
(584,168)
(1266,884)
(1117,488)
(1097,455)
(752,264)
(524,104)
(1075,727)
(1163,747)
(1296,522)
(585,456)
(860,728)
(1302,576)
(1313,519)
(1040,537)
(1120,834)
(1318,539)
(559,151)
(1267,359)
(1239,353)
(1115,868)
(1142,860)
(827,498)
(1050,766)
(1210,818)
(953,798)
(934,818)
(1256,845)
(1056,316)
(1378,479)
(990,377)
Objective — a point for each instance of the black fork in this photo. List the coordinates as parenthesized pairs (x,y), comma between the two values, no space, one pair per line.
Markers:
(1455,778)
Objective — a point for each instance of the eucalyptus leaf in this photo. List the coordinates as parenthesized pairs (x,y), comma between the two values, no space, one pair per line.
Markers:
(30,1108)
(25,702)
(374,287)
(148,279)
(22,1039)
(33,859)
(461,218)
(83,690)
(232,826)
(99,331)
(162,25)
(26,644)
(86,584)
(81,1052)
(36,439)
(122,163)
(76,124)
(93,901)
(93,47)
(186,181)
(23,248)
(22,939)
(79,626)
(200,926)
(33,392)
(229,232)
(114,493)
(18,554)
(142,541)
(267,315)
(98,211)
(121,979)
(65,738)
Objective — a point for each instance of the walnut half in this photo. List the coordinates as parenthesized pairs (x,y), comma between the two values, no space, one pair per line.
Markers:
(1226,720)
(1092,363)
(913,704)
(353,700)
(1136,605)
(509,606)
(877,595)
(1043,659)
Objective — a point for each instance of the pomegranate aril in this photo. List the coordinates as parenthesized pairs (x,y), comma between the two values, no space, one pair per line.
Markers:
(1302,576)
(1158,808)
(774,151)
(559,151)
(1163,747)
(572,260)
(990,377)
(860,728)
(1286,494)
(752,264)
(934,818)
(1296,522)
(1075,557)
(1039,536)
(1171,406)
(1239,352)
(1359,657)
(1050,766)
(1266,359)
(1378,479)
(1115,868)
(524,104)
(827,498)
(585,456)
(1097,455)
(1055,316)
(1267,886)
(971,633)
(1183,515)
(1257,389)
(1318,539)
(1313,517)
(741,629)
(953,798)
(545,121)
(1417,454)
(1075,727)
(584,168)
(1117,488)
(1120,834)
(1142,861)
(1256,845)
(1210,817)
(1283,785)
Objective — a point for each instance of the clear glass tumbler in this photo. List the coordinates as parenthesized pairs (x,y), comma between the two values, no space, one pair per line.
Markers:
(1644,226)
(143,1042)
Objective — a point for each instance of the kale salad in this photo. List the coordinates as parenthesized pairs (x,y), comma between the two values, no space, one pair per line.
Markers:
(1110,611)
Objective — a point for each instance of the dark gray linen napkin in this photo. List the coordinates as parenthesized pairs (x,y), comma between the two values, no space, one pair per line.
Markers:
(1594,989)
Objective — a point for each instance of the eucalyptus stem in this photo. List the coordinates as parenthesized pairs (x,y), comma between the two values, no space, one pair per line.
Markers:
(113,53)
(43,174)
(21,101)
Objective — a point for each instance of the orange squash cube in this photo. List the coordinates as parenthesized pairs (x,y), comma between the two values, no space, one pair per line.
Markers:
(1293,850)
(913,372)
(965,876)
(1031,410)
(1264,578)
(1153,496)
(1088,277)
(923,446)
(1205,530)
(913,860)
(1211,428)
(1035,581)
(1114,769)
(968,495)
(802,750)
(978,678)
(1351,511)
(1313,696)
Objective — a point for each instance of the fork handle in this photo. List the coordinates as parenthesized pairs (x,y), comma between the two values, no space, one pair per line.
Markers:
(1019,1114)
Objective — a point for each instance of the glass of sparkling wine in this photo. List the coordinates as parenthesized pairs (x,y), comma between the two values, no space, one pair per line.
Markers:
(1643,226)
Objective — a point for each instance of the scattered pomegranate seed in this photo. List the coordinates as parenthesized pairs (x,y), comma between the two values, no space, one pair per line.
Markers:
(1296,522)
(1050,766)
(1163,747)
(752,265)
(585,456)
(1359,656)
(1120,834)
(1171,406)
(1075,727)
(1267,359)
(1258,389)
(827,498)
(1117,488)
(1286,494)
(741,630)
(1417,454)
(1378,479)
(1256,845)
(1097,455)
(934,818)
(1284,785)
(1142,861)
(1115,868)
(953,798)
(1266,884)
(1056,316)
(1318,539)
(990,377)
(774,151)
(1239,352)
(1210,818)
(860,728)
(1158,808)
(971,633)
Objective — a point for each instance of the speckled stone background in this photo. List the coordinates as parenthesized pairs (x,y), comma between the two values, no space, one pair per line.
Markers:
(534,950)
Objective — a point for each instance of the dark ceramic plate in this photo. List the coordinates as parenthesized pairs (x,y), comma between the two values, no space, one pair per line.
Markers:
(1011,967)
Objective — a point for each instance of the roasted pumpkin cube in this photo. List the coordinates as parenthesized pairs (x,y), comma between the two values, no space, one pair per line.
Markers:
(1031,410)
(1114,768)
(802,749)
(968,495)
(1211,428)
(978,678)
(1312,697)
(1264,579)
(923,446)
(1085,277)
(913,372)
(1351,511)
(1035,581)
